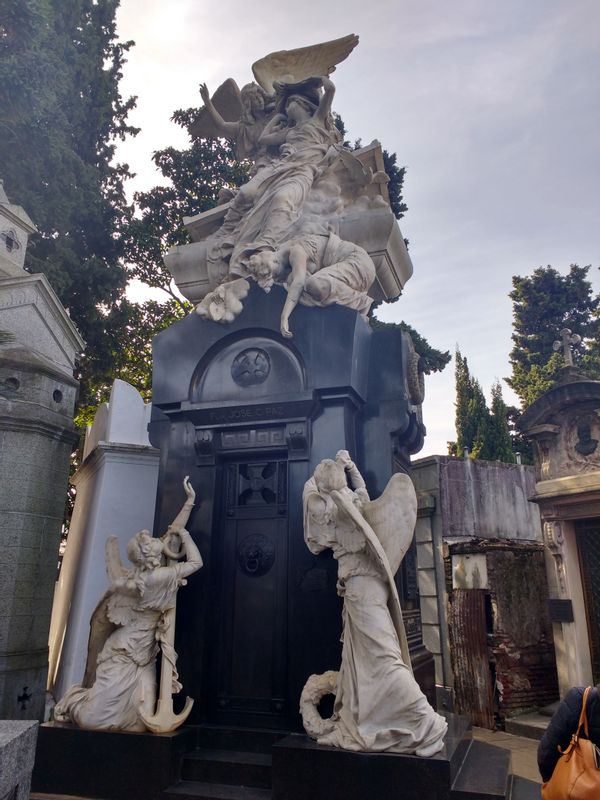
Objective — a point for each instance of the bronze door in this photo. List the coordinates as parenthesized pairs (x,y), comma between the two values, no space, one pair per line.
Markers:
(588,544)
(249,671)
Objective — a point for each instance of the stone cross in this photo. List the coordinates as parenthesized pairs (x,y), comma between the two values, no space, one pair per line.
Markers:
(567,339)
(24,698)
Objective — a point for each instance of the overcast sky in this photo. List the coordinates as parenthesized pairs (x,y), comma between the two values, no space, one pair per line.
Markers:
(493,107)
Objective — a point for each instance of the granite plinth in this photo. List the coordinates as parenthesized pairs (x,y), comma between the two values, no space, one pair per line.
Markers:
(302,769)
(17,752)
(108,765)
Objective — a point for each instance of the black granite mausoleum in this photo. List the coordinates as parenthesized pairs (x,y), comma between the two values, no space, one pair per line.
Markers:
(248,414)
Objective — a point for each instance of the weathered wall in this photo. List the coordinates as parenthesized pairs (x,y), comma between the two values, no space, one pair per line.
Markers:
(487,499)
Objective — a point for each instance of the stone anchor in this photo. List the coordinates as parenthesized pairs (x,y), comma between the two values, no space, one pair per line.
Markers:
(165,720)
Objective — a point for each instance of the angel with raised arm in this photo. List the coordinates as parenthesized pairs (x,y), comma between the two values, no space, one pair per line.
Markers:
(131,624)
(379,706)
(254,107)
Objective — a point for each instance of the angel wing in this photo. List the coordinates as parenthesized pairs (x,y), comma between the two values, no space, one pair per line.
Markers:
(114,565)
(304,62)
(101,628)
(113,611)
(393,516)
(228,102)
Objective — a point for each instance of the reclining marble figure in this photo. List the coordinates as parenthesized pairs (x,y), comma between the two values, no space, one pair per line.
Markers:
(379,706)
(135,616)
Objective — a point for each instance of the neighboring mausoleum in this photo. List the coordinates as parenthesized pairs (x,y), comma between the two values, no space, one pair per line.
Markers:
(37,434)
(564,424)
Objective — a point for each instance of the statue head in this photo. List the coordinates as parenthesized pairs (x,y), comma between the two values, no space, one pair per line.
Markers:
(304,96)
(254,100)
(330,476)
(263,267)
(298,107)
(144,551)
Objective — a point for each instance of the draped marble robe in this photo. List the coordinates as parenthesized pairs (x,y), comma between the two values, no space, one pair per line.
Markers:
(379,706)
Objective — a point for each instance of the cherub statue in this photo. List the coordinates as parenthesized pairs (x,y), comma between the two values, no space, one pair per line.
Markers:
(134,619)
(379,705)
(316,270)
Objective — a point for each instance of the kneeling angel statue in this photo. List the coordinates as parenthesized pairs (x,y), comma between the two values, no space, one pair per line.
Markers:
(133,622)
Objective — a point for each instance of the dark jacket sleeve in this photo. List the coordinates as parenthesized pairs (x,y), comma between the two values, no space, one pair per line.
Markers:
(558,733)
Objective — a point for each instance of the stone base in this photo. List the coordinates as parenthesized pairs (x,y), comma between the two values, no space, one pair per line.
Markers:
(303,769)
(17,749)
(108,765)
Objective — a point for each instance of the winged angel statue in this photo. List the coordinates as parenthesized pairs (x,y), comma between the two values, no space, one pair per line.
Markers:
(282,225)
(134,619)
(379,705)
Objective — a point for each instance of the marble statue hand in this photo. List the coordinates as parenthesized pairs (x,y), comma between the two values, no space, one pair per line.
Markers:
(205,94)
(172,540)
(285,328)
(343,458)
(189,490)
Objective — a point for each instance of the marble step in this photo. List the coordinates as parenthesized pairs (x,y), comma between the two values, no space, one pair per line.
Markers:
(483,774)
(522,789)
(201,790)
(248,740)
(531,726)
(228,767)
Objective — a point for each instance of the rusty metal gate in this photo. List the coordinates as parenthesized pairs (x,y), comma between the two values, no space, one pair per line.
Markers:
(588,545)
(474,695)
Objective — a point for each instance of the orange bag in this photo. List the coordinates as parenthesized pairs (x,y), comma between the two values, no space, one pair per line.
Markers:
(576,775)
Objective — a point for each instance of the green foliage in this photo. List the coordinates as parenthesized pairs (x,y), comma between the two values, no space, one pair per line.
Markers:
(543,304)
(129,331)
(396,175)
(196,176)
(498,440)
(520,443)
(433,360)
(60,114)
(471,416)
(482,431)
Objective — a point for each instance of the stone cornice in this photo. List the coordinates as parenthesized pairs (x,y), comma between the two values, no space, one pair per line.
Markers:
(106,452)
(47,429)
(567,486)
(39,283)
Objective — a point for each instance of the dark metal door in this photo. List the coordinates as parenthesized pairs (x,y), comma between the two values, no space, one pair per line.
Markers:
(250,678)
(588,544)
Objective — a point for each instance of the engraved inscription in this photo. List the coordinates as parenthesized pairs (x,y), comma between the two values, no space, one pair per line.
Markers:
(248,413)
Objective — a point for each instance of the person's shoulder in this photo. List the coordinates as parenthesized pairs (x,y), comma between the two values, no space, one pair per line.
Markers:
(574,697)
(594,699)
